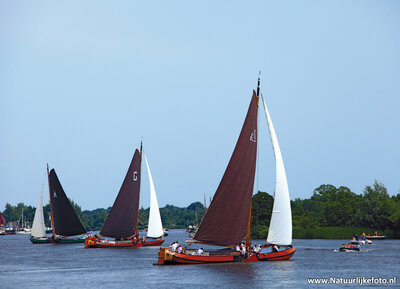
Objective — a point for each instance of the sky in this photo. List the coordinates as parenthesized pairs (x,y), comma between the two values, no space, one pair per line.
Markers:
(82,82)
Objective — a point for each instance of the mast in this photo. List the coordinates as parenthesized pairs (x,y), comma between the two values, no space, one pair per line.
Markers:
(248,233)
(205,204)
(51,207)
(137,218)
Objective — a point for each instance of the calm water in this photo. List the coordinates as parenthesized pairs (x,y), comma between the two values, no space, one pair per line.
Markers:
(71,266)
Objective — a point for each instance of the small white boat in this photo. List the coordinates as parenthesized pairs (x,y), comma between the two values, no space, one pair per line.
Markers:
(24,231)
(361,242)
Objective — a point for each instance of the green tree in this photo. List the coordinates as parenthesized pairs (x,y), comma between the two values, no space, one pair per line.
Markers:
(376,210)
(261,210)
(336,206)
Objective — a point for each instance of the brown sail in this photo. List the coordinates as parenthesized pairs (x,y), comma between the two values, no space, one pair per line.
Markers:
(65,221)
(225,222)
(122,219)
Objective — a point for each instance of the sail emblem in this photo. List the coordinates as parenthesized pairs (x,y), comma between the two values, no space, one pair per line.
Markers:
(135,176)
(54,194)
(253,136)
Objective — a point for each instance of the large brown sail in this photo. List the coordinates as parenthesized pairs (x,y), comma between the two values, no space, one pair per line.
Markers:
(65,220)
(121,221)
(225,222)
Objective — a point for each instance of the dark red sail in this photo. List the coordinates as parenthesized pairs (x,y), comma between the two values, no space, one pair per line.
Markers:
(121,221)
(2,220)
(65,220)
(225,222)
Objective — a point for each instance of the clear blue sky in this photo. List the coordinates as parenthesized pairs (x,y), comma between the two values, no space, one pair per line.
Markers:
(81,83)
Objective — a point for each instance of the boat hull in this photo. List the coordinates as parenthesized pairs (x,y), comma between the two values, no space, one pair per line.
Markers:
(167,257)
(68,240)
(156,242)
(104,243)
(57,240)
(273,256)
(349,249)
(39,240)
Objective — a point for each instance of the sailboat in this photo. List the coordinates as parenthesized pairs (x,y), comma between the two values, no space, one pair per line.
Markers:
(227,221)
(38,231)
(67,228)
(23,226)
(122,222)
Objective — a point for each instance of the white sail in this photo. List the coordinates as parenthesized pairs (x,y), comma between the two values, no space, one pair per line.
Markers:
(280,228)
(155,228)
(38,228)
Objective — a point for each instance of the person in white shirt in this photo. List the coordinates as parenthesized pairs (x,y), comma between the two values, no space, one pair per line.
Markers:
(256,249)
(200,252)
(174,246)
(237,248)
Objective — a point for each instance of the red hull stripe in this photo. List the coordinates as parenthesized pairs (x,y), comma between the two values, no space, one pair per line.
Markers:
(260,258)
(111,245)
(202,260)
(153,243)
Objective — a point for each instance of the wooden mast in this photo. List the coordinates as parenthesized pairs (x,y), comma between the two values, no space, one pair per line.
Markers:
(248,233)
(51,207)
(137,219)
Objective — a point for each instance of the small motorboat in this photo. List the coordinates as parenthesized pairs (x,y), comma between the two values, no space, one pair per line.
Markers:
(349,247)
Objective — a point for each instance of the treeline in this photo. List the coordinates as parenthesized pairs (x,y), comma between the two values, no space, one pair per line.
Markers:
(334,212)
(331,212)
(171,216)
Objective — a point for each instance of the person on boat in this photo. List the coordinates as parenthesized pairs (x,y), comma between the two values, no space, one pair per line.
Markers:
(244,252)
(257,249)
(275,248)
(200,252)
(237,248)
(180,249)
(174,246)
(357,238)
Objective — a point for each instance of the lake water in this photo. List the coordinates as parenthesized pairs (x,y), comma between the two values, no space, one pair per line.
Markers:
(24,265)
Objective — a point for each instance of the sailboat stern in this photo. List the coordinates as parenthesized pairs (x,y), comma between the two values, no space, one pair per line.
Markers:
(164,256)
